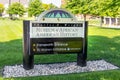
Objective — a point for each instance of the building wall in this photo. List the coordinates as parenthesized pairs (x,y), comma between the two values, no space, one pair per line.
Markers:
(112,22)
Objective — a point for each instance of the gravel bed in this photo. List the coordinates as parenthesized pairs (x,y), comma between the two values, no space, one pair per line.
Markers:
(57,68)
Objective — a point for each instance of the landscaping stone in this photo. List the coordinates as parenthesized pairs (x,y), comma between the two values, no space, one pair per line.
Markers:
(57,68)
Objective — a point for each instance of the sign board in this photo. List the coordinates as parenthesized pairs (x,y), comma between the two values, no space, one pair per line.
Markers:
(59,38)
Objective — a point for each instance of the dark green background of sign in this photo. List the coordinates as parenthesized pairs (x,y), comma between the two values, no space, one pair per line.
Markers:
(76,44)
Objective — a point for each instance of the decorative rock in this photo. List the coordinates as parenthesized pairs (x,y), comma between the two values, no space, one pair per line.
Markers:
(57,68)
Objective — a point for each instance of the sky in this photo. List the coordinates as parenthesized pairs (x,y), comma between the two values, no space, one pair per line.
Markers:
(55,2)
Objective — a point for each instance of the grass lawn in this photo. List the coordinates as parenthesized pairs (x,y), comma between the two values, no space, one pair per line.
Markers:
(103,43)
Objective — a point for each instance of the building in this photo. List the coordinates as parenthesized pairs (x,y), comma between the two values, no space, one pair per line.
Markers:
(111,22)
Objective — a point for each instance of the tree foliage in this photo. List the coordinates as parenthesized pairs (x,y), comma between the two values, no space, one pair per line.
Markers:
(1,8)
(16,8)
(95,7)
(79,6)
(113,8)
(105,8)
(35,8)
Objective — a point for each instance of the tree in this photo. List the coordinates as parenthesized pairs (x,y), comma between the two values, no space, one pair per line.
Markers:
(79,6)
(98,8)
(95,7)
(1,9)
(105,8)
(16,9)
(114,7)
(35,8)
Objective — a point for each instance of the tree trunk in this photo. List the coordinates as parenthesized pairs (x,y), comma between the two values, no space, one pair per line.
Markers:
(84,15)
(101,21)
(0,14)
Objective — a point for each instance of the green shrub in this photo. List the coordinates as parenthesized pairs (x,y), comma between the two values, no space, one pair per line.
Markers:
(35,8)
(16,9)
